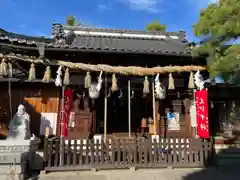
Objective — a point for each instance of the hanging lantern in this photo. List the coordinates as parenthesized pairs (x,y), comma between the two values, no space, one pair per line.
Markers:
(171,84)
(47,75)
(32,73)
(58,80)
(66,80)
(191,84)
(146,86)
(87,80)
(93,91)
(3,68)
(114,83)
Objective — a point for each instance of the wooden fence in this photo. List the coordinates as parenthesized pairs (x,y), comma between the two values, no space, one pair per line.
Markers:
(67,155)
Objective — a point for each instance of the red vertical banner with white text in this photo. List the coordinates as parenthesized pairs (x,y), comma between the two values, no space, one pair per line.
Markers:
(201,101)
(68,100)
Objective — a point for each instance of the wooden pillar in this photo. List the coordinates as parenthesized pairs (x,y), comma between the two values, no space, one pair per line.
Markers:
(129,108)
(187,105)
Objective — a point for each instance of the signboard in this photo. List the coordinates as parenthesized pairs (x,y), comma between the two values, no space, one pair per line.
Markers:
(173,121)
(48,122)
(201,98)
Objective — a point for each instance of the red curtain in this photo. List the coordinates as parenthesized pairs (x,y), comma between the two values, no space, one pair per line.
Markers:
(201,101)
(68,100)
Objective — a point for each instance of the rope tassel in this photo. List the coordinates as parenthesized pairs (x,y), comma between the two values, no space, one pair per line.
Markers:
(114,83)
(32,73)
(10,70)
(58,80)
(88,80)
(66,80)
(191,84)
(47,75)
(171,84)
(3,68)
(146,86)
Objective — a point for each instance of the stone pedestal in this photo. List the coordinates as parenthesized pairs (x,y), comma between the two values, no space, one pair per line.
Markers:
(12,150)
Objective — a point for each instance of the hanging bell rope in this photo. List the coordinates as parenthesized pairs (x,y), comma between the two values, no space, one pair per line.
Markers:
(191,84)
(171,84)
(146,86)
(10,70)
(66,80)
(114,83)
(47,75)
(32,73)
(3,68)
(88,80)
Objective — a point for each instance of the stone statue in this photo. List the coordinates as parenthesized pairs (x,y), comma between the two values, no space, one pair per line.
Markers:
(19,126)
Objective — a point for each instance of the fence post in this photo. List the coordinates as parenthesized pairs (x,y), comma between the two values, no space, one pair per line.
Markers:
(45,152)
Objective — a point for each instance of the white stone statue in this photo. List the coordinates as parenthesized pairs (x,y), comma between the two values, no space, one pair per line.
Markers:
(19,126)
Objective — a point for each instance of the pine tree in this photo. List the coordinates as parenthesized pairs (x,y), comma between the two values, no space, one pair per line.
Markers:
(218,28)
(156,26)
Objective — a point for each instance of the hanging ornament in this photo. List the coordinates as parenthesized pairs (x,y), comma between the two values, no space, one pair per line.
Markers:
(191,84)
(132,94)
(58,80)
(157,86)
(109,93)
(198,80)
(10,70)
(88,80)
(47,75)
(114,83)
(160,90)
(66,80)
(32,73)
(99,84)
(146,86)
(3,68)
(171,82)
(121,94)
(94,89)
(178,95)
(212,105)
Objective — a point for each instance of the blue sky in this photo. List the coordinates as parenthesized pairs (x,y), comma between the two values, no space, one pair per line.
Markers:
(34,17)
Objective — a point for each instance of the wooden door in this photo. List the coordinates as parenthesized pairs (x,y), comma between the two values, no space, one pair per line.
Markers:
(39,106)
(83,119)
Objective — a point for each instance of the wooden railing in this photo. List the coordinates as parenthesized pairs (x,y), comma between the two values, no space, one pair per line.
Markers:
(125,153)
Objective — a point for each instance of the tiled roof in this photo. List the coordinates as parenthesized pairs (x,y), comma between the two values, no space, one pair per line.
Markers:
(126,44)
(22,39)
(108,42)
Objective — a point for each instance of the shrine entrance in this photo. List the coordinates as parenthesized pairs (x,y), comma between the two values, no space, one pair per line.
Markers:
(117,109)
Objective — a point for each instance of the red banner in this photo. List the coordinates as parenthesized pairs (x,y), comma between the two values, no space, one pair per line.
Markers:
(68,95)
(201,100)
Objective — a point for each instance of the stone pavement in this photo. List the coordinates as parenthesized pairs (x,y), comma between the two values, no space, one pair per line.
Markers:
(226,173)
(158,174)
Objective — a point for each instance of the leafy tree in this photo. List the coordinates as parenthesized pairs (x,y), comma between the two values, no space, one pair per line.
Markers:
(219,29)
(72,21)
(156,26)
